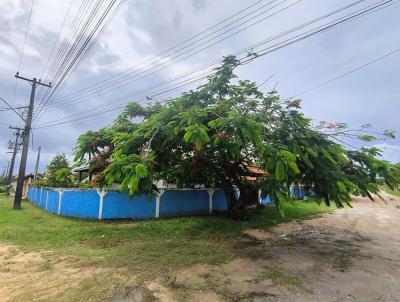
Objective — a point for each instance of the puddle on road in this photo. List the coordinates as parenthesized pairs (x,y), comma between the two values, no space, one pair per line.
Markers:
(134,294)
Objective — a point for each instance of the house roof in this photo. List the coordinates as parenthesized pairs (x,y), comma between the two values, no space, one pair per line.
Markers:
(81,169)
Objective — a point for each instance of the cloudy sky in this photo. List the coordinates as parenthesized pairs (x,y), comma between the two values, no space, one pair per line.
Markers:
(143,29)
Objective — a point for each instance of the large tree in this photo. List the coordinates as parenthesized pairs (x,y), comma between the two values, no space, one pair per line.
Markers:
(217,134)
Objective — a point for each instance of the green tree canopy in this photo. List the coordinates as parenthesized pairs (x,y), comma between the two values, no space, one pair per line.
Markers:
(58,172)
(58,162)
(218,133)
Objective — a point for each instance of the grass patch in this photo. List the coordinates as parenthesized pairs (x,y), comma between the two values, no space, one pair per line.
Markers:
(392,192)
(148,247)
(282,278)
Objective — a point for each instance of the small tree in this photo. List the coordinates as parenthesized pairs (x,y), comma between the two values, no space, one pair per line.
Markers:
(58,172)
(58,162)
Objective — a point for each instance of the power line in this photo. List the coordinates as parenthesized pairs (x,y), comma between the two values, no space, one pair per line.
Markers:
(284,0)
(77,36)
(68,40)
(11,108)
(64,118)
(239,52)
(189,53)
(109,85)
(96,114)
(91,43)
(50,56)
(69,43)
(15,108)
(70,37)
(25,36)
(267,50)
(57,38)
(22,51)
(156,58)
(346,73)
(83,49)
(302,36)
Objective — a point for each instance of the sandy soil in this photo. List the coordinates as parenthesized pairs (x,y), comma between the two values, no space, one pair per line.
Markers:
(350,255)
(34,276)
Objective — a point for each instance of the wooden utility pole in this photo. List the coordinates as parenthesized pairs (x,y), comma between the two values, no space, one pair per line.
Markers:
(25,146)
(37,163)
(5,173)
(14,154)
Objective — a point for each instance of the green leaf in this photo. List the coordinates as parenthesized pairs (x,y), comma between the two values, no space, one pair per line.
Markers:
(311,152)
(280,171)
(341,186)
(287,155)
(280,198)
(389,134)
(187,136)
(293,167)
(141,171)
(367,138)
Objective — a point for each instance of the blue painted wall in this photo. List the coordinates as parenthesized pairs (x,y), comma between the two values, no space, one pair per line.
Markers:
(82,204)
(265,200)
(35,195)
(219,201)
(297,192)
(120,205)
(184,202)
(42,197)
(52,202)
(29,195)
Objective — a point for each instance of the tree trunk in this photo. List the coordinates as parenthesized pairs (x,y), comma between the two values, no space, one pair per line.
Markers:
(237,206)
(229,192)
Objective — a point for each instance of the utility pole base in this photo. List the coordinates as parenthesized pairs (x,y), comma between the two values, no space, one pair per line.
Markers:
(17,206)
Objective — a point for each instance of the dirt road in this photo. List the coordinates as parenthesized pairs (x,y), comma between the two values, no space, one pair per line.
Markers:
(349,255)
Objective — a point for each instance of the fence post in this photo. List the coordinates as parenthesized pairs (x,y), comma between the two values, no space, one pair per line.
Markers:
(36,191)
(210,200)
(101,194)
(40,197)
(47,197)
(158,203)
(60,194)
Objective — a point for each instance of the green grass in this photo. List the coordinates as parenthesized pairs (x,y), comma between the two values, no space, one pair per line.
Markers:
(392,192)
(149,247)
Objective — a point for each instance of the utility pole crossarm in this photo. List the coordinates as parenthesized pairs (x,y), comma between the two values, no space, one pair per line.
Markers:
(32,80)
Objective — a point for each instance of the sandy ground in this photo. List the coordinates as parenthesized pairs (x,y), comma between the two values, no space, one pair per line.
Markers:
(28,276)
(350,255)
